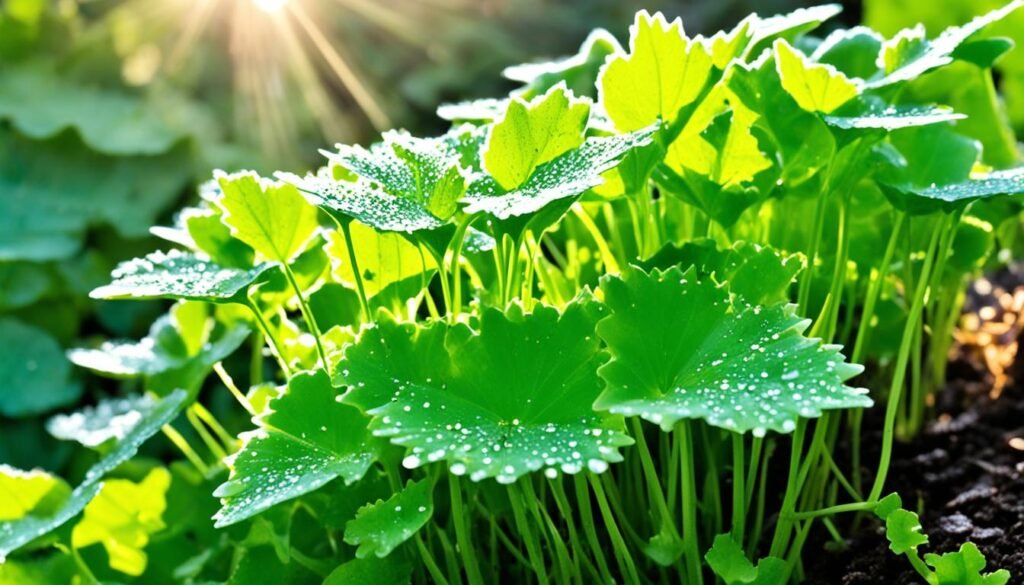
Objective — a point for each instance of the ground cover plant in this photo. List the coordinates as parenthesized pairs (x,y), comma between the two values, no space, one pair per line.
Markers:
(607,329)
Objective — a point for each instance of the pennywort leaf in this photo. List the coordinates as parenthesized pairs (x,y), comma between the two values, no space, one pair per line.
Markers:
(682,350)
(964,567)
(727,559)
(465,396)
(816,87)
(381,527)
(304,440)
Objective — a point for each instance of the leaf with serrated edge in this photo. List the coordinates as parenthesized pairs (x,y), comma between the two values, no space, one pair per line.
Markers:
(663,72)
(466,397)
(179,275)
(305,440)
(681,350)
(566,176)
(16,534)
(815,87)
(964,567)
(533,133)
(380,527)
(272,218)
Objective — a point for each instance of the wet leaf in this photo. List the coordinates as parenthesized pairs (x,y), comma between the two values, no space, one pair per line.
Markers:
(110,420)
(305,440)
(579,72)
(179,275)
(381,527)
(466,397)
(681,350)
(385,260)
(877,116)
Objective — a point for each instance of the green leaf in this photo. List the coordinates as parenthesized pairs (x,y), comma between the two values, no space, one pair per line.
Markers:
(816,87)
(533,133)
(910,55)
(379,528)
(1008,182)
(385,260)
(758,274)
(511,397)
(122,517)
(964,567)
(16,534)
(34,374)
(854,51)
(888,505)
(788,26)
(680,350)
(878,116)
(305,440)
(371,571)
(22,284)
(272,218)
(727,559)
(903,530)
(29,492)
(481,111)
(179,275)
(579,72)
(663,72)
(110,420)
(564,177)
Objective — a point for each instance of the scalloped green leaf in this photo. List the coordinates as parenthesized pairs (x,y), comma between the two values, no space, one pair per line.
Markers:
(34,375)
(179,275)
(816,87)
(663,72)
(681,350)
(303,441)
(579,72)
(18,533)
(1008,182)
(466,397)
(903,530)
(381,527)
(531,133)
(272,218)
(730,563)
(564,177)
(122,517)
(964,567)
(910,54)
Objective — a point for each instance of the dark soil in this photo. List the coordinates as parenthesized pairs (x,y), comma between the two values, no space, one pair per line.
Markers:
(962,475)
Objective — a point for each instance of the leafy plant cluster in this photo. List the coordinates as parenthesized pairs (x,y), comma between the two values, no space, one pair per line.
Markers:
(587,335)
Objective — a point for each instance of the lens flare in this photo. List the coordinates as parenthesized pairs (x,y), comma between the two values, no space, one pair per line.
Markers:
(271,6)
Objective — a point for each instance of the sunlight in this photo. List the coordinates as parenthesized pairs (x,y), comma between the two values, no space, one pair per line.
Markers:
(271,6)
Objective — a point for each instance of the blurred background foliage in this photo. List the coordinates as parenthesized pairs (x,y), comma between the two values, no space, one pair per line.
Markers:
(113,112)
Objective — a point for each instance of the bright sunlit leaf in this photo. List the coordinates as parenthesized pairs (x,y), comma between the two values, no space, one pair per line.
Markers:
(814,86)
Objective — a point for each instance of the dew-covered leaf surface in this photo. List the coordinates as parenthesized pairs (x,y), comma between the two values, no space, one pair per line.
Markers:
(179,275)
(681,350)
(305,440)
(566,176)
(893,117)
(93,426)
(34,376)
(506,400)
(18,533)
(380,527)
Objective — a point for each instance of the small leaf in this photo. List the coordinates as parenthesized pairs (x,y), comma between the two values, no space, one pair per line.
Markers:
(272,218)
(34,376)
(910,55)
(16,534)
(815,87)
(853,51)
(533,133)
(727,559)
(453,394)
(964,567)
(903,530)
(122,517)
(564,177)
(888,505)
(304,441)
(110,420)
(179,275)
(379,528)
(680,350)
(663,72)
(29,492)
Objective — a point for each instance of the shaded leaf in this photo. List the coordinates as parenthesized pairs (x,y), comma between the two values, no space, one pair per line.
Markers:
(381,527)
(34,375)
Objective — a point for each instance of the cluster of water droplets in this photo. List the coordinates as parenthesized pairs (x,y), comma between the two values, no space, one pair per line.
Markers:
(177,274)
(94,425)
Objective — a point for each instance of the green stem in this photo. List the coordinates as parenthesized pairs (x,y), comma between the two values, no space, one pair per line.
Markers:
(812,255)
(364,302)
(179,441)
(739,492)
(688,487)
(211,421)
(780,539)
(456,263)
(272,341)
(462,536)
(611,266)
(587,518)
(654,490)
(429,563)
(307,314)
(532,546)
(622,555)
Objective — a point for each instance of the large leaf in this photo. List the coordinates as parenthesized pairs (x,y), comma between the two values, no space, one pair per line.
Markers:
(533,133)
(34,375)
(122,517)
(564,177)
(663,72)
(18,533)
(305,440)
(910,54)
(272,218)
(816,87)
(507,399)
(380,527)
(681,350)
(179,275)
